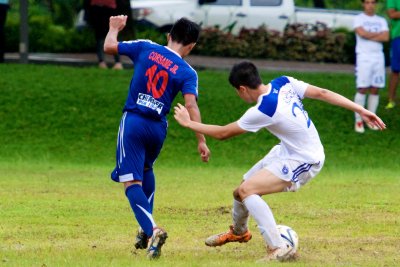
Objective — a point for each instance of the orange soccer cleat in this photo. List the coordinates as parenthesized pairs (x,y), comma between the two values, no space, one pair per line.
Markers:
(230,236)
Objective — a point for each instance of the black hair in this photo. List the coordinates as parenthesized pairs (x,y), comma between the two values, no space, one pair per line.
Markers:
(185,32)
(245,73)
(362,1)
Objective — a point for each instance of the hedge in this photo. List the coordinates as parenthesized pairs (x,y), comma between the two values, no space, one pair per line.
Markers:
(300,42)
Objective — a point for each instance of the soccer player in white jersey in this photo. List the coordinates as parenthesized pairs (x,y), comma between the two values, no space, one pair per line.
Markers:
(371,31)
(289,165)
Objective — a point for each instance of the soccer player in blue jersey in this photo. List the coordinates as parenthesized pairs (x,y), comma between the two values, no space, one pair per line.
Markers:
(289,165)
(160,73)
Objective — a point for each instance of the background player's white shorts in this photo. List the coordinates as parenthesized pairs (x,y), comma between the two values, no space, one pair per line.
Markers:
(299,173)
(370,70)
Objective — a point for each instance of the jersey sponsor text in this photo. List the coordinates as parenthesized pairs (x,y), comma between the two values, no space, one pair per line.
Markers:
(150,102)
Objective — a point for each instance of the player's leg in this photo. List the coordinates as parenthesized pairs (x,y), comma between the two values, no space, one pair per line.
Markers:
(240,214)
(250,192)
(238,231)
(131,153)
(155,135)
(363,82)
(140,206)
(148,186)
(393,83)
(373,103)
(277,176)
(378,81)
(395,70)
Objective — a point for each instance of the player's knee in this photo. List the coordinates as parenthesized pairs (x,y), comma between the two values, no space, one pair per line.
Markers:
(129,183)
(243,192)
(236,194)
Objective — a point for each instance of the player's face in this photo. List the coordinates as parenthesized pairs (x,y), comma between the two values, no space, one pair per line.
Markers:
(369,7)
(244,94)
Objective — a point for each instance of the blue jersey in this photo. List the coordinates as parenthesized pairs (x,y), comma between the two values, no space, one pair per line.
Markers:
(159,75)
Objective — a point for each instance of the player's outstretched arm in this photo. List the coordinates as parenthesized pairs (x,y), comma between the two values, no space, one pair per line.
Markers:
(117,23)
(215,131)
(341,101)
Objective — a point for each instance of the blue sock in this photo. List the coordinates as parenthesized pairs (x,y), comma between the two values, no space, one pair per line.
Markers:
(149,187)
(141,208)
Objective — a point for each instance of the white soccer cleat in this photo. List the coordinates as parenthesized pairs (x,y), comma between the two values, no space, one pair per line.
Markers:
(286,253)
(359,127)
(156,242)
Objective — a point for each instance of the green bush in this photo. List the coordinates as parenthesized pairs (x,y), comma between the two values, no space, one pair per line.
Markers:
(44,36)
(300,42)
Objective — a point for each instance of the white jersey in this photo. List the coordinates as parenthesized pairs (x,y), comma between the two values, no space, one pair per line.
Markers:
(281,112)
(373,23)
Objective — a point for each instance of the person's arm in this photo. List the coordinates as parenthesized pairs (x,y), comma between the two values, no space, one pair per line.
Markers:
(393,13)
(381,37)
(373,36)
(117,23)
(215,131)
(341,101)
(194,114)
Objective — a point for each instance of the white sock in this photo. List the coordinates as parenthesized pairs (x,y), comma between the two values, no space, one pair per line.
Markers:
(240,217)
(261,212)
(359,99)
(373,102)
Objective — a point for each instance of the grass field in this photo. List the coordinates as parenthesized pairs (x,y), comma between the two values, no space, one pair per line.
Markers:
(59,208)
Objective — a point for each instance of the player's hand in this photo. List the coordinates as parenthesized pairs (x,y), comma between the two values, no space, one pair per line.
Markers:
(181,115)
(118,22)
(372,119)
(204,151)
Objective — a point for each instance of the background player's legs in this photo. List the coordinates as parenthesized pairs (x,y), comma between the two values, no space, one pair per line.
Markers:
(360,99)
(393,83)
(394,75)
(373,101)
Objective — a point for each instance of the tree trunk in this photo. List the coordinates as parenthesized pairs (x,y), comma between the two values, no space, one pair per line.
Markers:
(319,3)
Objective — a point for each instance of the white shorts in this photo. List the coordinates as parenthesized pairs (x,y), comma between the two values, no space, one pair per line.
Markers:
(299,173)
(370,70)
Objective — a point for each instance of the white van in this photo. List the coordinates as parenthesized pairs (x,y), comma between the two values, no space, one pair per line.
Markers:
(235,14)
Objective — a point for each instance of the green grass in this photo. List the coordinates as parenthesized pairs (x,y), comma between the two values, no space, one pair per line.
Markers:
(58,206)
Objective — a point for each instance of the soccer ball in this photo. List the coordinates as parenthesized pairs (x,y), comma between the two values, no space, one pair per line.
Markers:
(289,236)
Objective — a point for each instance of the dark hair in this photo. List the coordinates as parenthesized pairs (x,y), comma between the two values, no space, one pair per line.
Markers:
(185,31)
(245,73)
(362,1)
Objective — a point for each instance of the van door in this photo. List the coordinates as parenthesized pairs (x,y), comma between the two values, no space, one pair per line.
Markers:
(274,14)
(221,13)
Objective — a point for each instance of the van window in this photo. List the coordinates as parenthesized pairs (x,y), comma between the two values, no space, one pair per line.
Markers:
(265,2)
(226,3)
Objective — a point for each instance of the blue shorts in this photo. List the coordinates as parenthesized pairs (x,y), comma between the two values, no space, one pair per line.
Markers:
(139,143)
(395,55)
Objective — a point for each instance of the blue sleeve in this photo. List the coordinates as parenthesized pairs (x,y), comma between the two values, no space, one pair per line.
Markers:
(130,48)
(190,85)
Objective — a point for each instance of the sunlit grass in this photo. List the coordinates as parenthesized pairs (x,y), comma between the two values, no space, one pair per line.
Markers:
(58,206)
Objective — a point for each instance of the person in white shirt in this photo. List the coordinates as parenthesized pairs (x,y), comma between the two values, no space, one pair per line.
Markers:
(298,158)
(371,31)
